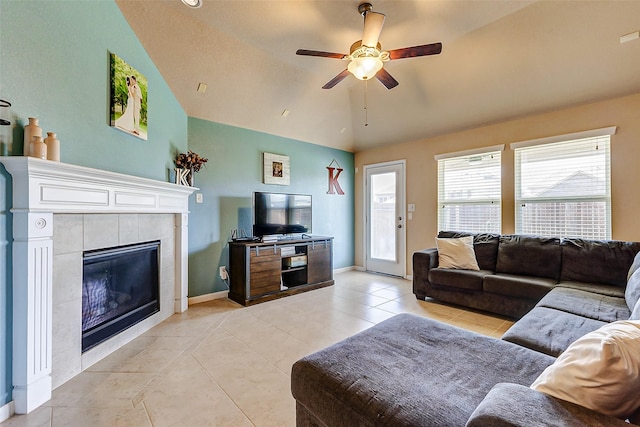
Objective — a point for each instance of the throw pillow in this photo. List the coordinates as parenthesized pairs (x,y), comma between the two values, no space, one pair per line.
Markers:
(457,253)
(632,292)
(600,371)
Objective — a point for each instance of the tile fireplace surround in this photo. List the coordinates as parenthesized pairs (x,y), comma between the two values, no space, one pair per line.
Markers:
(60,210)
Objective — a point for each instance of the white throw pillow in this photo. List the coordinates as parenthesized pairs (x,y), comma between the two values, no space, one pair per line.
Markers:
(600,371)
(457,253)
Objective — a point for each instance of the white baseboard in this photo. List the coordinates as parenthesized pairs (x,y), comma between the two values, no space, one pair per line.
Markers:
(361,268)
(343,269)
(208,297)
(7,411)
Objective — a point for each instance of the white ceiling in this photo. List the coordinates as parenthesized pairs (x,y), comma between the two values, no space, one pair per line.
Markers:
(500,60)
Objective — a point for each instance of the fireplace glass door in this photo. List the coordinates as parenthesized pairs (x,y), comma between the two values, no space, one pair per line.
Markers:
(120,287)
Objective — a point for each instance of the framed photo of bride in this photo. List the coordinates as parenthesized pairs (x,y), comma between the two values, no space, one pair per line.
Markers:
(128,98)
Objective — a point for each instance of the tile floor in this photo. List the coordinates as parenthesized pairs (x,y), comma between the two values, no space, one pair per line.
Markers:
(220,364)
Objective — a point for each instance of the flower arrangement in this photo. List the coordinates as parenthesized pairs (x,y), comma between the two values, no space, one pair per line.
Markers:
(190,160)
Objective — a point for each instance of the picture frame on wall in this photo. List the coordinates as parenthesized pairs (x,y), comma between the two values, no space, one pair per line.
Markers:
(276,169)
(128,98)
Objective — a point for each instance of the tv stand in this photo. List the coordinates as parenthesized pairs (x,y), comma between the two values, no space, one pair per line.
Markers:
(265,271)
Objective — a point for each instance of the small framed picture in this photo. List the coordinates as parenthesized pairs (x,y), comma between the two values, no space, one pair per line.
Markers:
(276,169)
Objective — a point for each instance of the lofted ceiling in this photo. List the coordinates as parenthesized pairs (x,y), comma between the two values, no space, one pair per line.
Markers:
(501,59)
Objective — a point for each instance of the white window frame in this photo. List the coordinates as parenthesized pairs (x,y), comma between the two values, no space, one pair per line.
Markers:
(518,148)
(443,202)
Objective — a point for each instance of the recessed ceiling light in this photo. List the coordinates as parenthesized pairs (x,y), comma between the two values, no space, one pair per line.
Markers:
(193,3)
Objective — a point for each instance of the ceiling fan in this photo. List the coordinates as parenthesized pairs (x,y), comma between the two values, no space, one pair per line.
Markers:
(366,56)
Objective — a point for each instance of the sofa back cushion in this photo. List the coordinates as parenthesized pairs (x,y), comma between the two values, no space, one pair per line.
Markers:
(634,266)
(485,246)
(635,313)
(632,292)
(529,256)
(597,261)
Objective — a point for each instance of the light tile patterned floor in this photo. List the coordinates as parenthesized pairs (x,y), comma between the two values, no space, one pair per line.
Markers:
(220,364)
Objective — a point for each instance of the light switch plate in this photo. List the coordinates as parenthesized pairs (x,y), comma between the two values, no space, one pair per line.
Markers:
(198,197)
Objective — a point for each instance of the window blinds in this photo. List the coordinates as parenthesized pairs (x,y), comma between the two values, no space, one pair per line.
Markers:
(469,192)
(563,188)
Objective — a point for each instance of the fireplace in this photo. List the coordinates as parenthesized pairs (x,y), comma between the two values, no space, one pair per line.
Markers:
(92,209)
(120,287)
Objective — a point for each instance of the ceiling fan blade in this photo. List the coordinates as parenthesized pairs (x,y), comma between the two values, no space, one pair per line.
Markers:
(320,53)
(337,79)
(386,79)
(411,52)
(373,22)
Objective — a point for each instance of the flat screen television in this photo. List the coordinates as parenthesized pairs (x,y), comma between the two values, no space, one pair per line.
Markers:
(280,213)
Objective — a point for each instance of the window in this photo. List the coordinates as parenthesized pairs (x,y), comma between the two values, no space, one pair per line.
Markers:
(562,188)
(469,191)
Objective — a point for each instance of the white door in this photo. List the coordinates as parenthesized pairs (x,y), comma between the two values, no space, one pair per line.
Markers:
(385,218)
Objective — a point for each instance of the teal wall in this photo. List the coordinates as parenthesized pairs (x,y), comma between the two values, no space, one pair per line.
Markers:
(234,172)
(55,66)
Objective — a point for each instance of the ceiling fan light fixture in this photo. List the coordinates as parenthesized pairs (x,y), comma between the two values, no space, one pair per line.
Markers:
(193,3)
(365,67)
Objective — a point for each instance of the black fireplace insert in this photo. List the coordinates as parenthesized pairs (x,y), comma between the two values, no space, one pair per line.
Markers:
(120,287)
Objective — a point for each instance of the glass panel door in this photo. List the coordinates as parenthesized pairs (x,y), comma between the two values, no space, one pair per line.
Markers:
(385,222)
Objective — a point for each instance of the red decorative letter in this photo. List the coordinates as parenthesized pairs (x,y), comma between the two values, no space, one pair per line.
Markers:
(333,182)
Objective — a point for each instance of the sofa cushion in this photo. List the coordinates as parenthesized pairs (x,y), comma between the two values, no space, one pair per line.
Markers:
(408,371)
(510,405)
(597,261)
(632,292)
(596,288)
(457,253)
(586,304)
(549,331)
(600,371)
(529,256)
(485,246)
(462,279)
(517,286)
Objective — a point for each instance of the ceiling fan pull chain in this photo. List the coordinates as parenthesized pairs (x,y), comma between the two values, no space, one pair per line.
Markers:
(366,111)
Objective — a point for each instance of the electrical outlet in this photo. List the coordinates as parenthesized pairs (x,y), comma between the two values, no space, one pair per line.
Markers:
(223,272)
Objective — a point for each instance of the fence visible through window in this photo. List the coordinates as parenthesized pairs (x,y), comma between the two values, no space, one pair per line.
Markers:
(469,192)
(563,188)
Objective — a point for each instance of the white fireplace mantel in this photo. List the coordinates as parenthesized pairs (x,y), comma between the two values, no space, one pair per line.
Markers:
(42,188)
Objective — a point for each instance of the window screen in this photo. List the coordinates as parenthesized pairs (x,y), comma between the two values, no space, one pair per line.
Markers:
(469,193)
(563,189)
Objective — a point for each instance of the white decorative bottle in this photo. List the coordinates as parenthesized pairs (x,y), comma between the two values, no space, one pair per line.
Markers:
(53,147)
(38,148)
(30,130)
